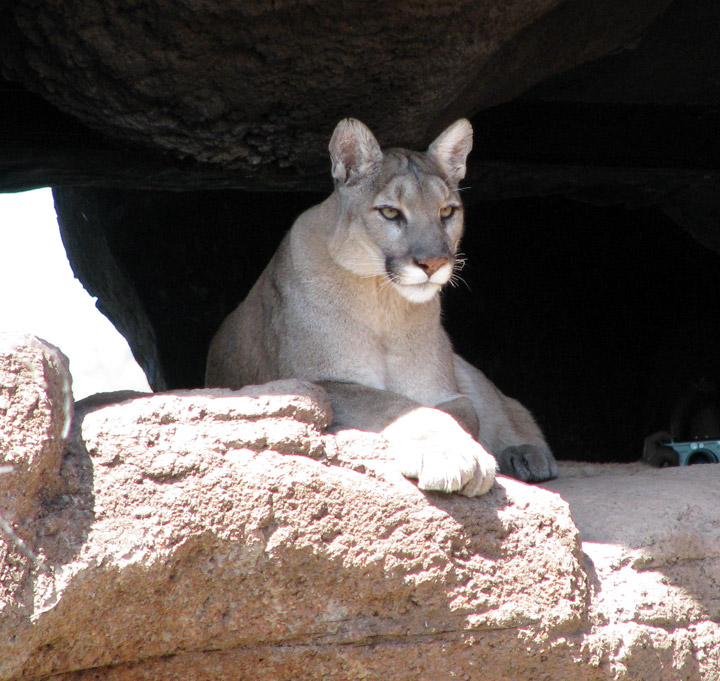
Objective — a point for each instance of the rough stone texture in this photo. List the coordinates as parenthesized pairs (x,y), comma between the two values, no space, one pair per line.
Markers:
(662,77)
(35,413)
(178,545)
(258,86)
(653,541)
(189,547)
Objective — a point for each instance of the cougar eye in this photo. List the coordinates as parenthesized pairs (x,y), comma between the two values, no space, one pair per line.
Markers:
(446,212)
(390,213)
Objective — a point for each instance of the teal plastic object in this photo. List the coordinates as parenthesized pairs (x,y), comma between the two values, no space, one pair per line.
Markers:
(696,451)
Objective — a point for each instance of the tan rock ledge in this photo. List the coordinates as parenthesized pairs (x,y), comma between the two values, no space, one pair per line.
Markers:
(652,540)
(178,542)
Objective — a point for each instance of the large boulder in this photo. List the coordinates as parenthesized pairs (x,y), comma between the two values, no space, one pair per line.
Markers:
(195,544)
(256,87)
(225,534)
(36,407)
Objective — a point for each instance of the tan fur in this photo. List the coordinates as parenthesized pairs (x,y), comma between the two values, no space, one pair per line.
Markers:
(350,299)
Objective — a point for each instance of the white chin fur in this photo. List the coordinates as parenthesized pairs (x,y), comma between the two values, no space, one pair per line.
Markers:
(418,293)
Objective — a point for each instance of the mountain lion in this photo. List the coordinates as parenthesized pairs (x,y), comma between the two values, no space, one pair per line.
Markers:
(351,301)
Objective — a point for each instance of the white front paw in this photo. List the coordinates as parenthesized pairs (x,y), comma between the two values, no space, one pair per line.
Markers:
(463,467)
(437,452)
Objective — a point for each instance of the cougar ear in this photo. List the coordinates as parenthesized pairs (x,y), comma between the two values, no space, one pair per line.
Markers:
(450,150)
(353,150)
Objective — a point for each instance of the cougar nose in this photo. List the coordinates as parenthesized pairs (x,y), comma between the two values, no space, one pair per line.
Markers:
(431,265)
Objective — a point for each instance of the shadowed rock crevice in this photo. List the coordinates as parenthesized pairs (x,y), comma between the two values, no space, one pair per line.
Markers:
(167,267)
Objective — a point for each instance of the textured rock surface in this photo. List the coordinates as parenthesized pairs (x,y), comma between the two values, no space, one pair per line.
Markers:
(178,545)
(653,541)
(187,545)
(35,414)
(258,86)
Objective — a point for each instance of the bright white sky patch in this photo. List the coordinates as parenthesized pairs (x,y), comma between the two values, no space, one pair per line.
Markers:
(40,295)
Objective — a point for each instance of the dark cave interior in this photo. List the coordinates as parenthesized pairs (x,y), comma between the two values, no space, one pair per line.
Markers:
(597,318)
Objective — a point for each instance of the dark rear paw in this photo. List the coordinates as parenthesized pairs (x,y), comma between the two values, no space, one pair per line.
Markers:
(528,463)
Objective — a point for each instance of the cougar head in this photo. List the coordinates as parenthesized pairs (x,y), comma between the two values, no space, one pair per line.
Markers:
(400,214)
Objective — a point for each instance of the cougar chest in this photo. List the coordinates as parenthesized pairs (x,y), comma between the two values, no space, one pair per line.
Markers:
(407,351)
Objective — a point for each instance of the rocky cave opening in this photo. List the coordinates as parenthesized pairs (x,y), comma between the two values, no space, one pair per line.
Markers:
(181,140)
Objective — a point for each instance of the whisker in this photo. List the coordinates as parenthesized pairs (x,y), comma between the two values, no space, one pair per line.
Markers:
(390,279)
(369,262)
(455,281)
(455,278)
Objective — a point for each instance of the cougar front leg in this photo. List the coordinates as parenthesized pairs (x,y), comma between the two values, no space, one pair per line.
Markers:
(506,427)
(429,444)
(463,411)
